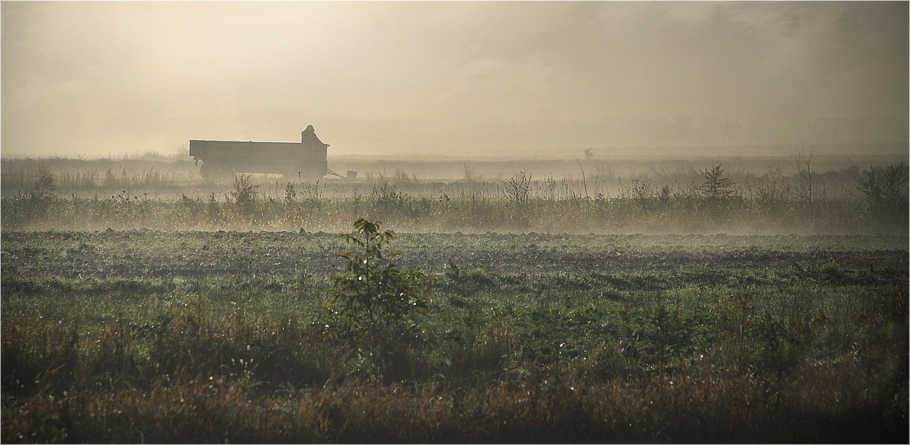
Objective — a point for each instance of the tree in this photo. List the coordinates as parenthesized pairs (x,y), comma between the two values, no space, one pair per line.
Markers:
(715,185)
(589,153)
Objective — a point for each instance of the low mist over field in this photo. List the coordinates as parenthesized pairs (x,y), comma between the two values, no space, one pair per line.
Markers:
(456,79)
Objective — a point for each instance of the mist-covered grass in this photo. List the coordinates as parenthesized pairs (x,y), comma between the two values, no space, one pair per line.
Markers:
(704,201)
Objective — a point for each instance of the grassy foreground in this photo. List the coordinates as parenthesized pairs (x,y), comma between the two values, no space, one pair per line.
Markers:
(132,336)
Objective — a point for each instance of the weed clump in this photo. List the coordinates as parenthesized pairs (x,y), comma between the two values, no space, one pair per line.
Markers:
(244,192)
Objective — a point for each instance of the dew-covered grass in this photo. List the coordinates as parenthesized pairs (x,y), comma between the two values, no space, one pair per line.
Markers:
(131,336)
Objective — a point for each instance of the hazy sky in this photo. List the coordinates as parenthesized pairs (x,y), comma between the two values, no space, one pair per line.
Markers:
(427,77)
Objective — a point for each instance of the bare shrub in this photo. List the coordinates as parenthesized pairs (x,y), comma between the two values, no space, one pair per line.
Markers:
(803,165)
(518,188)
(884,191)
(770,186)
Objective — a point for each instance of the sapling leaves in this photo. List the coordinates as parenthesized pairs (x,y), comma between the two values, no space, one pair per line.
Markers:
(372,294)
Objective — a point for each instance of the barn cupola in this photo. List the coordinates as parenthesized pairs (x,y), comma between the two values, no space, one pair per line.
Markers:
(308,136)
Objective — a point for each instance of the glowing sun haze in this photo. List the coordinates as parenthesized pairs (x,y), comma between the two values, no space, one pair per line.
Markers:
(446,79)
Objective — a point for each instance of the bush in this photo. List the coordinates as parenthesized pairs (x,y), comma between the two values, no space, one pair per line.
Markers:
(373,295)
(518,188)
(884,191)
(244,193)
(716,186)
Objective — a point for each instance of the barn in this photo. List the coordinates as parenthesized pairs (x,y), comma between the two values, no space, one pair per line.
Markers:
(304,159)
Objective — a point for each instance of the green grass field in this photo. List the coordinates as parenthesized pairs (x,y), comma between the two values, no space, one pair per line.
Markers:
(156,336)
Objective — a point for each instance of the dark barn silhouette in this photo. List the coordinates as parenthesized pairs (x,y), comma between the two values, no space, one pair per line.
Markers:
(305,159)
